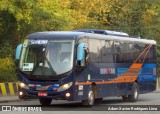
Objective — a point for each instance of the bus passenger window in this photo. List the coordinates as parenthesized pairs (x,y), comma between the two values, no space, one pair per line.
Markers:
(95,50)
(107,52)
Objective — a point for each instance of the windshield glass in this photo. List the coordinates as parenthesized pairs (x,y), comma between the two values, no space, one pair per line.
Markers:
(46,57)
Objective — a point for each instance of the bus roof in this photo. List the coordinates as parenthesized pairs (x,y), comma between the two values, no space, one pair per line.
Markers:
(75,35)
(120,38)
(54,35)
(106,32)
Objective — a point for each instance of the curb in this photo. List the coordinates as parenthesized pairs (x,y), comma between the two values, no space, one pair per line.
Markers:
(8,99)
(13,100)
(10,88)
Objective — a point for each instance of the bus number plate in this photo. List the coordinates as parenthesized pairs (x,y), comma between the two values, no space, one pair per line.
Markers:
(42,94)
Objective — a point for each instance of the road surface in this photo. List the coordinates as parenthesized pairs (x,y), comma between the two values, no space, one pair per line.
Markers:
(108,104)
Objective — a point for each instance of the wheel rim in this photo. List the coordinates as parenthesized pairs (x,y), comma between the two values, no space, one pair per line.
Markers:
(91,98)
(136,93)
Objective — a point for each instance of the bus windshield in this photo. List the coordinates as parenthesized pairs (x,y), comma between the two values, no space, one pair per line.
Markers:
(46,57)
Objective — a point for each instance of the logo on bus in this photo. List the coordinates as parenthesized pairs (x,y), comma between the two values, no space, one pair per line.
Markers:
(107,71)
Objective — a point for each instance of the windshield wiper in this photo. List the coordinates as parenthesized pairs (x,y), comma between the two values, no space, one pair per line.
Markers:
(44,58)
(50,66)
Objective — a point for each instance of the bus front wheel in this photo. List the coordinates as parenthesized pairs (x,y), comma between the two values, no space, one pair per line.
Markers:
(45,102)
(90,98)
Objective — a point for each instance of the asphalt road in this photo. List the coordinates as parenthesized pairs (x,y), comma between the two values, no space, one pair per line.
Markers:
(108,104)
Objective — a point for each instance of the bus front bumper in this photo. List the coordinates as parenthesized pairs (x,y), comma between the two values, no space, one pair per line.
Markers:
(30,94)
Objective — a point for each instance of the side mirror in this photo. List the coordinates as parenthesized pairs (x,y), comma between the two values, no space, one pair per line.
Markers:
(18,51)
(81,54)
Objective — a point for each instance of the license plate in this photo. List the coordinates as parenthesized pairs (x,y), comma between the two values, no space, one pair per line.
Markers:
(42,93)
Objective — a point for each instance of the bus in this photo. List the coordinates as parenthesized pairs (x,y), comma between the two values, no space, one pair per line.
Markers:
(79,66)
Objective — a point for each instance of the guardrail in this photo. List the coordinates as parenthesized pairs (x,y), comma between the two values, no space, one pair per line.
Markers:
(9,88)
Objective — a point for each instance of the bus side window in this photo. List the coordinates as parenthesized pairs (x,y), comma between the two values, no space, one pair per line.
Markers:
(117,51)
(139,49)
(107,51)
(95,50)
(130,54)
(86,56)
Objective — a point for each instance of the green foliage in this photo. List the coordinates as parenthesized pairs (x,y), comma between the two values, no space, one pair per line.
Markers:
(8,27)
(6,50)
(7,70)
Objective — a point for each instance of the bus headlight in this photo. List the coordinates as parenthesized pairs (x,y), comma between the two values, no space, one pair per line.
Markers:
(23,85)
(65,86)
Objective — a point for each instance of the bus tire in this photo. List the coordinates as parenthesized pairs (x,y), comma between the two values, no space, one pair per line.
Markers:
(45,102)
(135,93)
(90,98)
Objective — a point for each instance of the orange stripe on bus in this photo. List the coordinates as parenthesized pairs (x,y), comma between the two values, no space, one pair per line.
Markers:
(129,76)
(136,66)
(120,79)
(83,83)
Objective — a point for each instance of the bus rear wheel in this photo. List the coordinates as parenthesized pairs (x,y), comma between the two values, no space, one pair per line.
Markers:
(135,93)
(45,102)
(90,98)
